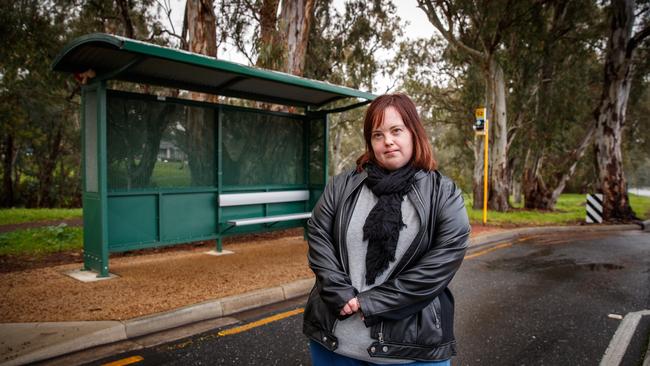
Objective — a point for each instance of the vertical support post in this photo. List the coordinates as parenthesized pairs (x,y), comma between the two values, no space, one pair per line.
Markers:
(485,173)
(326,144)
(219,160)
(306,133)
(159,217)
(95,205)
(102,152)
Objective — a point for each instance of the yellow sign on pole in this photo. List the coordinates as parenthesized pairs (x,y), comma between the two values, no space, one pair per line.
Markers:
(479,124)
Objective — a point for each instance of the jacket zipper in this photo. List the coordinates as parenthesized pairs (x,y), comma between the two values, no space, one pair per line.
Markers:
(380,335)
(435,314)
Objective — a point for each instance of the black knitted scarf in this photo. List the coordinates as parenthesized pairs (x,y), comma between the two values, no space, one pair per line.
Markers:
(384,221)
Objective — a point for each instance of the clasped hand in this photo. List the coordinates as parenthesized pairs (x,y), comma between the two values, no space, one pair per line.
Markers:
(351,307)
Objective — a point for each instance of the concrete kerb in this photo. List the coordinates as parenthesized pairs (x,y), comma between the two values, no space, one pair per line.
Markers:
(212,309)
(115,331)
(171,319)
(645,226)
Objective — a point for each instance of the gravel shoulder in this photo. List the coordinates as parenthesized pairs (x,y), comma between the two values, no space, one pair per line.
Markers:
(155,281)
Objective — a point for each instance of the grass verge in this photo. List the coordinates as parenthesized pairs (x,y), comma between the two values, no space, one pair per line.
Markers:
(41,241)
(9,216)
(570,209)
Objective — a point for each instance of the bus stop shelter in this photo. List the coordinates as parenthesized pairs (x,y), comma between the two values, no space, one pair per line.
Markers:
(162,171)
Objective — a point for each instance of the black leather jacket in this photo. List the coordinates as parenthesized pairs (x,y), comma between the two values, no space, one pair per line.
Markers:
(411,313)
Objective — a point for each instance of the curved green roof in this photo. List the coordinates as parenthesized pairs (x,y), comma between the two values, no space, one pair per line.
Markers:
(120,58)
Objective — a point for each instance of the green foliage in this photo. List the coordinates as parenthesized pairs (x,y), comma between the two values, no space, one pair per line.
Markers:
(10,216)
(343,47)
(41,241)
(39,108)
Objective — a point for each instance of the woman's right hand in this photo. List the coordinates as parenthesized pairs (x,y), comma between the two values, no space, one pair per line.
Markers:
(351,307)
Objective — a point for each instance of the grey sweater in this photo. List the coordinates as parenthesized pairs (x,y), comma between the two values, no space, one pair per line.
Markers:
(354,338)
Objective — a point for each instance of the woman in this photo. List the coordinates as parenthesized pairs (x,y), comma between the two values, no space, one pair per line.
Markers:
(385,240)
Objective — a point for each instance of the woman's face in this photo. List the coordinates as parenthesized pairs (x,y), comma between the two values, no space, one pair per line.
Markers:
(392,142)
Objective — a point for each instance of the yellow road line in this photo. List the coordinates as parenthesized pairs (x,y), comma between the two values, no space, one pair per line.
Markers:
(260,322)
(488,250)
(125,361)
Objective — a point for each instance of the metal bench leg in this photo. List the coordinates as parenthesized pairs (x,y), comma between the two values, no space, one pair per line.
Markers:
(219,247)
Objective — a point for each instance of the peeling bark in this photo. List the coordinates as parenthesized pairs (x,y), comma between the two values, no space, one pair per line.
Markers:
(610,113)
(269,51)
(200,25)
(496,93)
(294,23)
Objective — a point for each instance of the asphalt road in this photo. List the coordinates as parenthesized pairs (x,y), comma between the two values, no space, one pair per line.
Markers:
(540,301)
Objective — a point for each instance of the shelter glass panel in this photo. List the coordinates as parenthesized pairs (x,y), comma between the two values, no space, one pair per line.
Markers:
(159,144)
(317,152)
(261,148)
(90,141)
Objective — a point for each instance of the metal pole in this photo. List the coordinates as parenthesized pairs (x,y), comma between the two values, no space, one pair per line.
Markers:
(485,174)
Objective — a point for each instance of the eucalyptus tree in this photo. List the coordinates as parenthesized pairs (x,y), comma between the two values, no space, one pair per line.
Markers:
(271,34)
(344,48)
(445,89)
(477,29)
(39,132)
(636,136)
(611,111)
(552,93)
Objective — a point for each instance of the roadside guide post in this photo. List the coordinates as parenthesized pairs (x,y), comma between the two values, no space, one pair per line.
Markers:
(481,128)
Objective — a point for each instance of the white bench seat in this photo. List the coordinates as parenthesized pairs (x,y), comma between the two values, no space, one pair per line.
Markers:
(268,219)
(240,199)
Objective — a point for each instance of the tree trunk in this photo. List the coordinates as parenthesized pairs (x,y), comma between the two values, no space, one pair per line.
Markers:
(478,173)
(336,151)
(574,158)
(496,90)
(295,20)
(47,166)
(536,194)
(610,114)
(129,31)
(155,126)
(201,28)
(270,52)
(516,191)
(7,170)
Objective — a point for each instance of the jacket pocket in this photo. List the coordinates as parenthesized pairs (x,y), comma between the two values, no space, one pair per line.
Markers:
(423,328)
(317,313)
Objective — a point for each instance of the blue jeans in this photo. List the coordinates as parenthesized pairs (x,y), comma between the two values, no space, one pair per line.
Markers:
(321,356)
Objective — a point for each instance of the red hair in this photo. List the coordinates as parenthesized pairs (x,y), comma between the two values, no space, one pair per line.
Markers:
(422,151)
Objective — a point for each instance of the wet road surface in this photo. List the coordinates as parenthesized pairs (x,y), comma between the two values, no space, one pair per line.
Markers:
(541,301)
